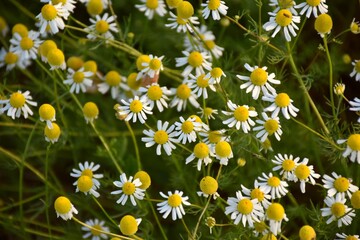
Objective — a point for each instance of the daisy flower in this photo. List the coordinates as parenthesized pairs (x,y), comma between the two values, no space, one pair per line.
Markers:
(304,174)
(338,185)
(25,47)
(11,60)
(129,225)
(355,106)
(214,136)
(52,134)
(153,67)
(337,210)
(312,6)
(202,152)
(186,130)
(56,59)
(150,7)
(68,5)
(346,237)
(223,152)
(215,8)
(286,164)
(94,232)
(339,89)
(129,189)
(44,49)
(78,80)
(209,187)
(259,81)
(86,185)
(112,81)
(183,94)
(136,108)
(199,85)
(244,209)
(273,185)
(258,192)
(280,101)
(275,213)
(180,24)
(47,114)
(52,16)
(164,137)
(90,111)
(283,19)
(268,127)
(215,75)
(240,117)
(173,204)
(156,95)
(356,71)
(355,27)
(323,24)
(352,149)
(208,112)
(194,60)
(18,104)
(103,27)
(87,169)
(64,208)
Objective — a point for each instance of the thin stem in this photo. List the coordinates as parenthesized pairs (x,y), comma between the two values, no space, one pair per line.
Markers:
(200,217)
(330,77)
(103,210)
(135,145)
(47,188)
(186,228)
(155,215)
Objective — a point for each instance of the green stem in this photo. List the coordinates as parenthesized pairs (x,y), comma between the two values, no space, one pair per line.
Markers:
(103,210)
(135,145)
(187,229)
(330,77)
(47,189)
(155,215)
(200,217)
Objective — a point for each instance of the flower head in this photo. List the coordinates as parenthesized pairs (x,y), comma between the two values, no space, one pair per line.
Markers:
(78,80)
(273,185)
(153,67)
(353,147)
(338,185)
(184,9)
(47,114)
(102,27)
(135,109)
(90,111)
(11,60)
(129,189)
(355,27)
(339,89)
(356,71)
(113,81)
(323,24)
(280,101)
(144,178)
(203,152)
(183,94)
(94,232)
(215,8)
(275,213)
(129,225)
(86,185)
(208,187)
(268,127)
(337,210)
(240,117)
(150,7)
(156,95)
(286,164)
(52,134)
(52,15)
(64,208)
(187,129)
(258,192)
(25,47)
(346,237)
(215,75)
(45,47)
(18,104)
(223,152)
(312,6)
(180,24)
(304,174)
(194,60)
(87,169)
(56,59)
(199,85)
(173,204)
(307,232)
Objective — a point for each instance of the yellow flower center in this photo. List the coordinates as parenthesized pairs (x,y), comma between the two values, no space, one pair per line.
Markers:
(288,165)
(187,127)
(95,231)
(245,206)
(90,66)
(258,77)
(208,111)
(355,28)
(271,126)
(307,233)
(74,62)
(62,205)
(174,200)
(201,81)
(55,57)
(355,200)
(185,10)
(128,188)
(283,17)
(208,185)
(132,82)
(282,100)
(210,44)
(338,209)
(155,64)
(136,106)
(154,92)
(274,181)
(323,23)
(223,149)
(95,7)
(302,171)
(216,72)
(201,150)
(46,46)
(21,29)
(181,21)
(140,60)
(275,212)
(102,26)
(268,236)
(354,142)
(214,4)
(87,172)
(46,111)
(48,12)
(351,238)
(26,43)
(183,92)
(357,66)
(144,179)
(195,59)
(17,100)
(313,3)
(161,137)
(10,58)
(113,78)
(241,113)
(152,4)
(78,77)
(341,184)
(197,118)
(53,133)
(84,183)
(128,225)
(214,136)
(90,110)
(258,194)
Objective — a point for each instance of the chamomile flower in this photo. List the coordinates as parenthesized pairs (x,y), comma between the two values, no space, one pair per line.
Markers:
(337,210)
(90,111)
(304,174)
(244,209)
(355,27)
(355,200)
(56,59)
(184,9)
(199,85)
(353,147)
(186,130)
(153,67)
(223,152)
(285,20)
(323,24)
(346,236)
(94,232)
(150,7)
(78,80)
(240,117)
(47,114)
(275,213)
(11,59)
(156,95)
(173,204)
(129,189)
(208,112)
(212,137)
(339,89)
(52,15)
(215,8)
(164,137)
(113,81)
(258,192)
(180,24)
(21,29)
(258,81)
(307,232)
(87,169)
(68,5)
(287,164)
(86,185)
(312,6)
(25,47)
(273,185)
(136,108)
(203,152)
(356,71)
(268,127)
(194,60)
(183,94)
(129,225)
(44,49)
(215,75)
(64,208)
(208,187)
(18,104)
(144,178)
(52,134)
(280,102)
(102,27)
(355,106)
(338,185)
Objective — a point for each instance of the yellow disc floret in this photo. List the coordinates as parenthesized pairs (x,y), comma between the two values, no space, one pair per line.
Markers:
(136,106)
(152,4)
(341,184)
(21,29)
(26,43)
(245,206)
(275,212)
(11,58)
(283,17)
(84,183)
(201,81)
(128,188)
(174,200)
(113,78)
(187,127)
(140,60)
(307,232)
(354,142)
(258,77)
(47,112)
(173,3)
(241,113)
(87,172)
(201,150)
(195,59)
(215,136)
(90,66)
(90,110)
(48,12)
(288,165)
(46,46)
(128,225)
(274,181)
(355,199)
(144,179)
(95,231)
(258,194)
(214,4)
(102,26)
(55,57)
(78,77)
(54,133)
(132,82)
(323,23)
(183,91)
(161,137)
(154,92)
(209,185)
(185,10)
(74,62)
(95,7)
(62,205)
(313,3)
(223,149)
(271,126)
(17,100)
(302,171)
(338,209)
(282,100)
